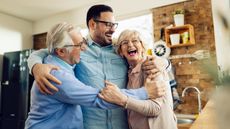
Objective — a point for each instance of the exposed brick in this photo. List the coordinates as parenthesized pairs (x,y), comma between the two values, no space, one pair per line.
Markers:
(200,17)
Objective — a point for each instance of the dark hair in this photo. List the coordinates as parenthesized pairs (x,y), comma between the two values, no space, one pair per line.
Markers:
(95,12)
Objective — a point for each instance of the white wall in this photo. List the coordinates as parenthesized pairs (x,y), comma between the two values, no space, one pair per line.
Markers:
(122,9)
(222,34)
(15,34)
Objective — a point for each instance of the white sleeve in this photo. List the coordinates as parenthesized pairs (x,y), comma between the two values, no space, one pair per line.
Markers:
(36,57)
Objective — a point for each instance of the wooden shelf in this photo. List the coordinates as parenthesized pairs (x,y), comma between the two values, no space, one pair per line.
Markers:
(180,30)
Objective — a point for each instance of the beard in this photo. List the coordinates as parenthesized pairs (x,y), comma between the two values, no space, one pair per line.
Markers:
(103,39)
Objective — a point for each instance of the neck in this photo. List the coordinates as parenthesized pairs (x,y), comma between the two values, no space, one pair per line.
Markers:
(133,63)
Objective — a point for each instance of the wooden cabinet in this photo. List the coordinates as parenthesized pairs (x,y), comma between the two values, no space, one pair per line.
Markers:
(186,33)
(39,41)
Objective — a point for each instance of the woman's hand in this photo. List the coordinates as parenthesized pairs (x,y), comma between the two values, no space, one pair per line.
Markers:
(43,77)
(111,93)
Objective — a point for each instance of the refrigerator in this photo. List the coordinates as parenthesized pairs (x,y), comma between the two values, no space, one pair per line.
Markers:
(15,90)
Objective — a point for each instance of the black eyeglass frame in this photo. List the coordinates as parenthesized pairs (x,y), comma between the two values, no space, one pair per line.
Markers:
(107,24)
(80,44)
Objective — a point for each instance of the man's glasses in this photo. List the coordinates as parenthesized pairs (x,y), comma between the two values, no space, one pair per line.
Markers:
(107,24)
(78,45)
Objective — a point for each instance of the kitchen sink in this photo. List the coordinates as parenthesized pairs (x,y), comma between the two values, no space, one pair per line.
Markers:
(185,118)
(184,121)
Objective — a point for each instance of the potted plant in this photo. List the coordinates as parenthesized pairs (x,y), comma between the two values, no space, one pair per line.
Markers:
(178,16)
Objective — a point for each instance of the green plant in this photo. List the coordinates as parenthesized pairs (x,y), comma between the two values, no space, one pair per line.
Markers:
(178,11)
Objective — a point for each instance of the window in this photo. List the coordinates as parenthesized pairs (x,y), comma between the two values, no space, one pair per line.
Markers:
(141,23)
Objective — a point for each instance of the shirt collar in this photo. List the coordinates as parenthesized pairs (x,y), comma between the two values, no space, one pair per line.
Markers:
(62,63)
(90,42)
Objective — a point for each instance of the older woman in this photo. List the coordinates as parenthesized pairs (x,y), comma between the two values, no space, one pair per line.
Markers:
(142,114)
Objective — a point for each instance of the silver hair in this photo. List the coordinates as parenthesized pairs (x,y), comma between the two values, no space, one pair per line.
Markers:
(127,34)
(58,36)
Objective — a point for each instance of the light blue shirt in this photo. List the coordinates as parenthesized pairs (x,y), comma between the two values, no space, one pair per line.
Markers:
(98,64)
(62,110)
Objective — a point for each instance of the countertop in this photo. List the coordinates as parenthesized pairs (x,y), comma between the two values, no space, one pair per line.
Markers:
(207,118)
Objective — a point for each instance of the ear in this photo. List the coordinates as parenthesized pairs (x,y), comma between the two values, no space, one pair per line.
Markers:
(61,52)
(92,24)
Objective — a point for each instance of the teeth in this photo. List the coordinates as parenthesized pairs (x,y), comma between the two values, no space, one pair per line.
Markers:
(132,52)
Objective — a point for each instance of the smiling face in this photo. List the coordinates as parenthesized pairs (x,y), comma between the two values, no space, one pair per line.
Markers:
(78,46)
(131,46)
(102,28)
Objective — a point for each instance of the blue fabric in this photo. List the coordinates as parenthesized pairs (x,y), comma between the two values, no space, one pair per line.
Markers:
(62,110)
(98,64)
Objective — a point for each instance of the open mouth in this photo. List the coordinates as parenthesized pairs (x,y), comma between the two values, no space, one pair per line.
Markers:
(132,52)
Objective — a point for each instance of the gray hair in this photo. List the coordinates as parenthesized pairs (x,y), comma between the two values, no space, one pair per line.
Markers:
(58,36)
(127,34)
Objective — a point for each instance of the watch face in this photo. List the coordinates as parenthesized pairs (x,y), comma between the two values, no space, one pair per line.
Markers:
(160,49)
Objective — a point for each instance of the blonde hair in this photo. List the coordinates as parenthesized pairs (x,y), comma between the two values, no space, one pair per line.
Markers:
(127,34)
(58,36)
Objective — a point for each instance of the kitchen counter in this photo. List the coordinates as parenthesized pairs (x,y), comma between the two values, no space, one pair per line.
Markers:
(207,118)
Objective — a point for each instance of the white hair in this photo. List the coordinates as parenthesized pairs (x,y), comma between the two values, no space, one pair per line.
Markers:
(58,36)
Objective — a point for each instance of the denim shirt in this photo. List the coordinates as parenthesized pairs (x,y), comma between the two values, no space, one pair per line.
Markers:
(98,64)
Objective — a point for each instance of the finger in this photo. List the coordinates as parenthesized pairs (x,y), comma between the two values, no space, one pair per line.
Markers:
(148,67)
(40,89)
(101,96)
(52,78)
(54,67)
(44,89)
(109,83)
(152,71)
(48,84)
(153,76)
(150,58)
(148,79)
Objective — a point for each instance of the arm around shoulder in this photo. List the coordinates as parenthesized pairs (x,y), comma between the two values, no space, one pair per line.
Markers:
(36,57)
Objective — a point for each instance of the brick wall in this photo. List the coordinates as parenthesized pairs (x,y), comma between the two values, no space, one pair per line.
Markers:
(189,71)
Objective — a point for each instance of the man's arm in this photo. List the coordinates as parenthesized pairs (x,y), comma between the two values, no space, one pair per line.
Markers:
(41,71)
(36,57)
(154,65)
(74,91)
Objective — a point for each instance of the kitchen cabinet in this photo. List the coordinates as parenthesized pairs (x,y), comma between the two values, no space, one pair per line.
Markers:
(186,33)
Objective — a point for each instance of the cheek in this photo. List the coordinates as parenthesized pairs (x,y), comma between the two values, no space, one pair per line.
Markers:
(76,52)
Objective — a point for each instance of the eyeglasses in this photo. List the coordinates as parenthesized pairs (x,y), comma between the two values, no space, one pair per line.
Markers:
(107,24)
(126,42)
(78,45)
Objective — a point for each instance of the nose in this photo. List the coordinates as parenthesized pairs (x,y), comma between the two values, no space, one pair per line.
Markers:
(130,44)
(83,47)
(112,28)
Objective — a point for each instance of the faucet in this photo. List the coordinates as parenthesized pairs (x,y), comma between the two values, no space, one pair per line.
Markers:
(198,96)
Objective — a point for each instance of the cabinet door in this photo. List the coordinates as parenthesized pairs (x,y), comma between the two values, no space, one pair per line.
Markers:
(39,41)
